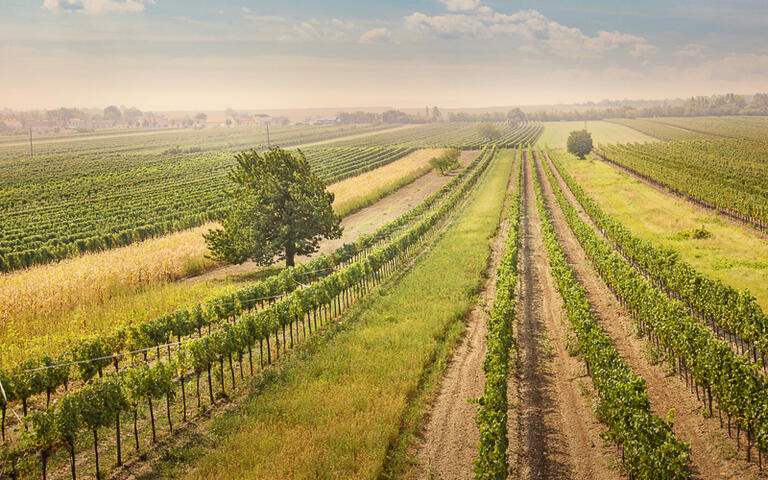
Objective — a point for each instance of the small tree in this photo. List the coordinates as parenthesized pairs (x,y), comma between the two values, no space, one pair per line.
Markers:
(489,130)
(201,117)
(280,209)
(580,143)
(446,162)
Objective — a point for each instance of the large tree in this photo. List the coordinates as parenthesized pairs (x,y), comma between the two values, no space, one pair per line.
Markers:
(280,209)
(580,143)
(489,130)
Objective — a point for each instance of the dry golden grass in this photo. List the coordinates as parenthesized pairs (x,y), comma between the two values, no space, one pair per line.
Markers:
(356,192)
(42,304)
(30,298)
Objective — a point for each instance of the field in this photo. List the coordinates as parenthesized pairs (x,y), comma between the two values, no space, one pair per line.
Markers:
(555,134)
(47,305)
(528,315)
(691,127)
(732,254)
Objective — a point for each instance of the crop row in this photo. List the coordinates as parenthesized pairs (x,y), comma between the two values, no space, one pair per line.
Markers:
(35,376)
(726,174)
(755,128)
(99,403)
(709,364)
(649,447)
(492,461)
(715,302)
(76,224)
(464,136)
(178,141)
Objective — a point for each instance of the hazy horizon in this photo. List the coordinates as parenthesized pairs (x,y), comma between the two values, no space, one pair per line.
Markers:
(172,55)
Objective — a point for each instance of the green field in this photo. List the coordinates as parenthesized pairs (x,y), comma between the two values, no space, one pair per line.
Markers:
(732,254)
(556,133)
(335,412)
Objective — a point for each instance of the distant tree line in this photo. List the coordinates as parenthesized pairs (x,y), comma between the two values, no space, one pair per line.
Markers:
(390,116)
(718,105)
(431,115)
(729,104)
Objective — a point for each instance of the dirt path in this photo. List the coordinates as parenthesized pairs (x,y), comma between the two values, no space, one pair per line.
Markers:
(362,222)
(448,438)
(713,454)
(553,432)
(584,216)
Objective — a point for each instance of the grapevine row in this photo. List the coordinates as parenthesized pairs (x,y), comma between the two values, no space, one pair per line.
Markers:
(715,302)
(99,220)
(729,175)
(649,447)
(492,462)
(46,374)
(709,364)
(98,404)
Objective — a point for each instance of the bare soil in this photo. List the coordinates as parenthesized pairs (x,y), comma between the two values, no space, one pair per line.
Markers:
(553,431)
(362,222)
(448,437)
(713,454)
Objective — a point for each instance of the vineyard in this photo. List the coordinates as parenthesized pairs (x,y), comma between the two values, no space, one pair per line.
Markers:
(728,175)
(95,197)
(752,128)
(163,353)
(504,325)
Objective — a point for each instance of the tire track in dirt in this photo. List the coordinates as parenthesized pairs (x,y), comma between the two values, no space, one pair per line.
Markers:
(713,454)
(448,440)
(557,434)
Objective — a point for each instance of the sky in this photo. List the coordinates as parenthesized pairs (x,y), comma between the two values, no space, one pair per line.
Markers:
(195,54)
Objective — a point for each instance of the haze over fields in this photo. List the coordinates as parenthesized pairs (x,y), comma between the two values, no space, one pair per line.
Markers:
(179,54)
(406,239)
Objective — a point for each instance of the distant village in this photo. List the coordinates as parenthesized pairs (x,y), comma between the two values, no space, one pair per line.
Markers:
(75,120)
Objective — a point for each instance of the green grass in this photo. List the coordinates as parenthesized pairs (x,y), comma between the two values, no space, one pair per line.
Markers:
(730,253)
(347,408)
(556,133)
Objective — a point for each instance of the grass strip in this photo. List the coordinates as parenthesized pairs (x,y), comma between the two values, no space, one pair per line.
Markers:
(342,411)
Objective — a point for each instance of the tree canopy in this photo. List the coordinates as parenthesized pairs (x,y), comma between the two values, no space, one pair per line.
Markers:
(580,143)
(112,113)
(446,162)
(280,209)
(489,130)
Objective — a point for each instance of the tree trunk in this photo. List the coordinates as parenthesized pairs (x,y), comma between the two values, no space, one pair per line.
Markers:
(152,419)
(290,253)
(136,428)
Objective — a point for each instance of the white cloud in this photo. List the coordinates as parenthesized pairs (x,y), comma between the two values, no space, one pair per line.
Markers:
(460,5)
(92,7)
(315,30)
(531,30)
(377,35)
(249,15)
(693,50)
(737,66)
